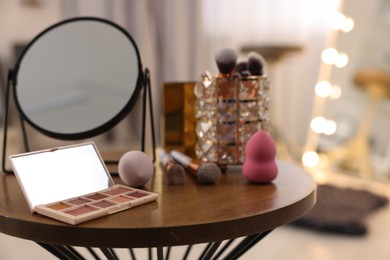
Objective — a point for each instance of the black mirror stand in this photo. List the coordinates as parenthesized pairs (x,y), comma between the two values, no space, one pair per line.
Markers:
(147,97)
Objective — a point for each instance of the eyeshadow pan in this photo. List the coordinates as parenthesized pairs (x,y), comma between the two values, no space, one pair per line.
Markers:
(80,211)
(103,204)
(77,201)
(116,191)
(121,199)
(96,196)
(137,194)
(59,206)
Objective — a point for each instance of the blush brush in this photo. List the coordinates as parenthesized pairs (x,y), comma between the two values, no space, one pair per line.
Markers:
(174,172)
(226,59)
(206,173)
(241,66)
(256,64)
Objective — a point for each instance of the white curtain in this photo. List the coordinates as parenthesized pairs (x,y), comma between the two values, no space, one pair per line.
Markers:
(177,40)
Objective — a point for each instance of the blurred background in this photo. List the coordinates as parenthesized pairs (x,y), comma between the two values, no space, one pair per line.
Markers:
(328,63)
(178,40)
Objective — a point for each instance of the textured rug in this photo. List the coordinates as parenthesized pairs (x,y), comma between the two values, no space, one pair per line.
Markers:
(341,210)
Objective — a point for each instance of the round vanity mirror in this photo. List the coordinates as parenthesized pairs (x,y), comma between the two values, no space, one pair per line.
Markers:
(78,78)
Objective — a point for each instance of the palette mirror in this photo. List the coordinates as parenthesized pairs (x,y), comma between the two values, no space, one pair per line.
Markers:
(77,79)
(62,180)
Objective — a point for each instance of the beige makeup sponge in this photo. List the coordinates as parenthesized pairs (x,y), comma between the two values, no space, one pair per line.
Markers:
(135,168)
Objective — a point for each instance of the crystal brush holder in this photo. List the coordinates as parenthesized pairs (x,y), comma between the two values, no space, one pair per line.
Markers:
(228,111)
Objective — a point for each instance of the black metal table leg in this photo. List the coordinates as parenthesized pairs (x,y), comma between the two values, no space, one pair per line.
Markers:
(62,252)
(246,244)
(132,254)
(90,250)
(167,254)
(223,249)
(53,250)
(109,253)
(205,250)
(71,249)
(211,250)
(189,247)
(160,253)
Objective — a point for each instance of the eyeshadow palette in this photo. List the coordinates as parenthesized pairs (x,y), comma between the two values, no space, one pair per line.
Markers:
(72,184)
(90,206)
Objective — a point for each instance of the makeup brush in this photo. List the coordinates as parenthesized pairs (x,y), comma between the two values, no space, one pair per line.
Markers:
(174,172)
(245,73)
(206,173)
(256,64)
(226,61)
(241,66)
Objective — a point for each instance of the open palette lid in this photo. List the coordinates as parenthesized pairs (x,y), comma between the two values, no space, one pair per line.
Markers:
(60,173)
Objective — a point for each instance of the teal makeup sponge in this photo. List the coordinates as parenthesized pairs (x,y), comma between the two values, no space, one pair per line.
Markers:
(260,153)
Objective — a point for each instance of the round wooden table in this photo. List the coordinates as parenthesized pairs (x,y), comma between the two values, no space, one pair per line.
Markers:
(182,215)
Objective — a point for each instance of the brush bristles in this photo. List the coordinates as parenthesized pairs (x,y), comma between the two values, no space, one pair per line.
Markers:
(241,66)
(226,60)
(255,64)
(245,73)
(208,173)
(176,175)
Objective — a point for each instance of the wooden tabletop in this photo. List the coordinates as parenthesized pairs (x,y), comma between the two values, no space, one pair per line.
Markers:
(183,214)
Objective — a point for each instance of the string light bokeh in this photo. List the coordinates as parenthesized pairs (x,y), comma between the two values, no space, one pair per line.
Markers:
(324,89)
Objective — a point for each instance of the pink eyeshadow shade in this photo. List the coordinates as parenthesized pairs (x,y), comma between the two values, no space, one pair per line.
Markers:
(116,191)
(96,196)
(78,201)
(121,199)
(103,204)
(80,211)
(137,194)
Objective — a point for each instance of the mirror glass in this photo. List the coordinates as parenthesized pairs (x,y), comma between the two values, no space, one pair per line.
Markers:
(57,174)
(78,78)
(360,143)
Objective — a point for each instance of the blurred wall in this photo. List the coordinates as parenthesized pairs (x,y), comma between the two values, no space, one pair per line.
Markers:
(20,21)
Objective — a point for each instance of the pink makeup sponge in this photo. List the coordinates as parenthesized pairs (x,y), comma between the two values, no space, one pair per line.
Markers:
(260,165)
(135,168)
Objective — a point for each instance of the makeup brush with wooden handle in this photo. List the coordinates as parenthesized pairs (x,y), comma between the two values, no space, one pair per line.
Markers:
(174,171)
(206,173)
